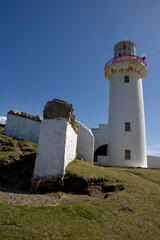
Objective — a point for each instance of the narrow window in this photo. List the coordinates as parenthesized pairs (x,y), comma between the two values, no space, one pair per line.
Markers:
(126,79)
(127,154)
(127,126)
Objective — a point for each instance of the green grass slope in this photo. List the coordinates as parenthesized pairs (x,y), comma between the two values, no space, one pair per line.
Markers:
(12,150)
(17,159)
(130,214)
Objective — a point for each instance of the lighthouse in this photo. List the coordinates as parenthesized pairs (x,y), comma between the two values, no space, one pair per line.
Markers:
(126,135)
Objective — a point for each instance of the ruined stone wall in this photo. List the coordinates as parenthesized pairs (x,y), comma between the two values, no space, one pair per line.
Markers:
(23,126)
(70,145)
(51,148)
(57,144)
(85,143)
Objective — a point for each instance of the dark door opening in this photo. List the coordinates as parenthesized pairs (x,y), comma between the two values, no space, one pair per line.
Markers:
(101,151)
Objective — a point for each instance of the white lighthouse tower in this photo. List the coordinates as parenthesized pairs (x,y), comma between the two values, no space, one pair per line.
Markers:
(127,138)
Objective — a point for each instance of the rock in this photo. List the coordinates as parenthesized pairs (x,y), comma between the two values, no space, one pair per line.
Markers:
(37,118)
(25,115)
(58,109)
(15,112)
(47,184)
(31,116)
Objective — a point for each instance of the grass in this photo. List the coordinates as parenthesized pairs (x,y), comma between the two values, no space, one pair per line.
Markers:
(12,150)
(130,214)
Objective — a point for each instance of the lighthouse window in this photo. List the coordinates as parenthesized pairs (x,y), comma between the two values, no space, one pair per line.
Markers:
(126,79)
(127,154)
(127,126)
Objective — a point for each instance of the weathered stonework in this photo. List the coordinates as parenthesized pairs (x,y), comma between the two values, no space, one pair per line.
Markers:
(58,109)
(21,125)
(25,115)
(57,145)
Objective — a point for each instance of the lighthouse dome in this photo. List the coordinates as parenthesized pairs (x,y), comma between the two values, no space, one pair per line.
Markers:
(125,47)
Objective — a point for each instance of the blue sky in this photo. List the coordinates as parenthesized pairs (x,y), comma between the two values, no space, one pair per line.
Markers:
(58,49)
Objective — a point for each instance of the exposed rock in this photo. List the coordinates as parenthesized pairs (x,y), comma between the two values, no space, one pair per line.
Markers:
(26,115)
(47,184)
(15,112)
(58,109)
(32,117)
(37,118)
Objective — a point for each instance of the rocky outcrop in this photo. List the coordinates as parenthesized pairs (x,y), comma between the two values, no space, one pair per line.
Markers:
(58,109)
(25,115)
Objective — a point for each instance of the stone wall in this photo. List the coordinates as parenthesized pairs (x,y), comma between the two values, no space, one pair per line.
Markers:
(57,145)
(70,145)
(22,126)
(85,143)
(56,148)
(153,162)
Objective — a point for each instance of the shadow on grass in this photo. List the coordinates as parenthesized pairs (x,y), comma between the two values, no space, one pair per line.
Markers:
(16,177)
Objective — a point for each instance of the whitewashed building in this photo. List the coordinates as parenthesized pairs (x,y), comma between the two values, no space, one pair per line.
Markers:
(125,133)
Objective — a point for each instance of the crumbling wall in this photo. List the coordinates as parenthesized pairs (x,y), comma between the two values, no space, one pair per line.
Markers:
(21,125)
(51,148)
(85,143)
(70,145)
(57,144)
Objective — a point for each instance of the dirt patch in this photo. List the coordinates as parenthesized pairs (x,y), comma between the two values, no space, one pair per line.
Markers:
(95,187)
(125,209)
(26,198)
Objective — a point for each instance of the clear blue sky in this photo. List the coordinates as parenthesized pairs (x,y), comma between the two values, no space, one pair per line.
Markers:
(58,49)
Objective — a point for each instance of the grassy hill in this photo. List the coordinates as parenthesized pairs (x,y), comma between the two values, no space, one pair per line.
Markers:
(133,213)
(17,158)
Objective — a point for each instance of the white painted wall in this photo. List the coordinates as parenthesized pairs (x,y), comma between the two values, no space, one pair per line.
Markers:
(101,135)
(102,161)
(56,148)
(101,138)
(85,143)
(126,105)
(153,162)
(70,145)
(22,128)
